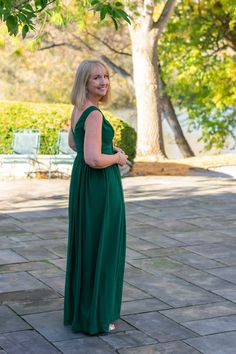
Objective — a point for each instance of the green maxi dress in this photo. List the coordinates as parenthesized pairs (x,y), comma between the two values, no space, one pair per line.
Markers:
(96,239)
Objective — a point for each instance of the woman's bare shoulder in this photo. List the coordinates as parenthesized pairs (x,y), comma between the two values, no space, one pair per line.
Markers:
(94,118)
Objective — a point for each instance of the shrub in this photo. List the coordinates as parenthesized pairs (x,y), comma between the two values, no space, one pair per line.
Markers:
(49,119)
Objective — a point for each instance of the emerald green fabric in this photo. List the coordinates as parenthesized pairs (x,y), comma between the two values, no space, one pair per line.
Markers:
(96,239)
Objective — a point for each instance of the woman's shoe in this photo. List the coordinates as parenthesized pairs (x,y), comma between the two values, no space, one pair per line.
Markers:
(112,327)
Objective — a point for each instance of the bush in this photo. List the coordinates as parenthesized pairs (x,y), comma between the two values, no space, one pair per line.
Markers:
(49,119)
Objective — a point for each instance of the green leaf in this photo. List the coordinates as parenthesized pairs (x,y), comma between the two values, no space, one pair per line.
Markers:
(25,30)
(39,4)
(119,4)
(28,7)
(115,23)
(12,24)
(103,13)
(94,2)
(22,18)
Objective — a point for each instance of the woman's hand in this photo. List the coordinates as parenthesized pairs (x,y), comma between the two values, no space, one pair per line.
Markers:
(117,149)
(122,158)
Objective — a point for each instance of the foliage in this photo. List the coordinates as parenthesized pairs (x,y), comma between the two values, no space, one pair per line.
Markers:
(198,60)
(23,13)
(36,76)
(125,136)
(115,9)
(49,119)
(47,75)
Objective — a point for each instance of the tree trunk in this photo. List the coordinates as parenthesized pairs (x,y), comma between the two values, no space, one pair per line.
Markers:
(167,108)
(173,122)
(150,145)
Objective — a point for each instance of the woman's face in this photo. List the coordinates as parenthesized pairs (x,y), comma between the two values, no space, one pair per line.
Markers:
(98,82)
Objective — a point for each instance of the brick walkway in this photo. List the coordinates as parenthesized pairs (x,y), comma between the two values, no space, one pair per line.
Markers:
(180,280)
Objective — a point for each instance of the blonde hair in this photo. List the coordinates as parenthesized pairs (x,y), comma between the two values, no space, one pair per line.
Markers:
(78,93)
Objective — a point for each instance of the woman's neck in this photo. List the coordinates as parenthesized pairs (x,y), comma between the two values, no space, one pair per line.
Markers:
(92,102)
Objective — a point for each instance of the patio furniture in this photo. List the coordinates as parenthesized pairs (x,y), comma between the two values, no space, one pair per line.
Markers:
(64,156)
(25,146)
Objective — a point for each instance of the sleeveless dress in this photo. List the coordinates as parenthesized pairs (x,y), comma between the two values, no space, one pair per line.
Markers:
(96,239)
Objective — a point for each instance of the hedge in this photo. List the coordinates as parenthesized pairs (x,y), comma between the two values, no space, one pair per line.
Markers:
(49,119)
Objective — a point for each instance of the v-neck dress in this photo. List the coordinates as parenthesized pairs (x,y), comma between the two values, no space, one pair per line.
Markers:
(96,239)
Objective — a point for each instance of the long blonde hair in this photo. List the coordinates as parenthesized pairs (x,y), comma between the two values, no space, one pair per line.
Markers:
(78,93)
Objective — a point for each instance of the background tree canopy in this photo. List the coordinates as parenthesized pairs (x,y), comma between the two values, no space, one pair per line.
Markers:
(196,53)
(46,60)
(21,14)
(198,59)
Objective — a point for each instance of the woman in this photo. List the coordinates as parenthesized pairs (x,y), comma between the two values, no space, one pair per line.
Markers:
(97,229)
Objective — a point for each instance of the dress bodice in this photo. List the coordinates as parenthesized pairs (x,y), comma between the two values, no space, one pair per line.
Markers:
(107,133)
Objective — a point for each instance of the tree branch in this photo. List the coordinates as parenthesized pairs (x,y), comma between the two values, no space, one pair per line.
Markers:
(42,8)
(166,13)
(83,42)
(17,6)
(114,67)
(218,50)
(148,7)
(107,45)
(52,45)
(230,42)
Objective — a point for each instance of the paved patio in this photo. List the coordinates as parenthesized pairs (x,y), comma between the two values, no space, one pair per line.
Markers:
(180,280)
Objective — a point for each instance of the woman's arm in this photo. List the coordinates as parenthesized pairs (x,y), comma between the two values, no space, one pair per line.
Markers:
(93,144)
(71,141)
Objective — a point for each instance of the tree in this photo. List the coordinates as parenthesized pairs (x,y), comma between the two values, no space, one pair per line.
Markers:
(22,13)
(149,20)
(148,23)
(198,57)
(168,111)
(151,133)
